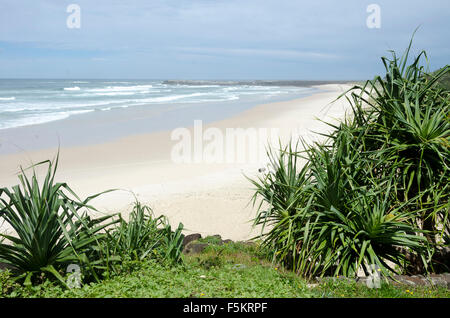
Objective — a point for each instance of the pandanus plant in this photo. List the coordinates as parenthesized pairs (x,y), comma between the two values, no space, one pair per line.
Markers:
(50,231)
(376,191)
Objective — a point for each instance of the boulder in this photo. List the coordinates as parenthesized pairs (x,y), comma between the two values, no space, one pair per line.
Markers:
(190,238)
(195,248)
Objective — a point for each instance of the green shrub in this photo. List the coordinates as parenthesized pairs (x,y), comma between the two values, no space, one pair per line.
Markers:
(375,191)
(142,237)
(49,230)
(7,285)
(406,130)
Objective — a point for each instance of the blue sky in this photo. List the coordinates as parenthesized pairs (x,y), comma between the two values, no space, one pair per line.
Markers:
(215,39)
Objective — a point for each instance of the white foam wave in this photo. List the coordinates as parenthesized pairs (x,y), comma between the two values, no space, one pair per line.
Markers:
(121,88)
(53,107)
(115,94)
(40,119)
(45,106)
(13,110)
(162,99)
(75,88)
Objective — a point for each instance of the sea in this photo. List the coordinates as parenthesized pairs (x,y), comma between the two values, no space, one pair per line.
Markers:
(25,102)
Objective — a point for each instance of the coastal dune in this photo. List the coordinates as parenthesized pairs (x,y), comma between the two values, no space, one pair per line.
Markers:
(208,198)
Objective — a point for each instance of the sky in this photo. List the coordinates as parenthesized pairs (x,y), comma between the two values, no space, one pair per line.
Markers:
(216,39)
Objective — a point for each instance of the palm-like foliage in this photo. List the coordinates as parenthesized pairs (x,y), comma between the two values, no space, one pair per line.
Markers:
(144,236)
(407,128)
(376,191)
(323,221)
(284,189)
(139,236)
(49,230)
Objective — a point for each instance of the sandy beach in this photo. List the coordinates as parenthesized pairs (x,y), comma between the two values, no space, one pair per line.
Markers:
(208,198)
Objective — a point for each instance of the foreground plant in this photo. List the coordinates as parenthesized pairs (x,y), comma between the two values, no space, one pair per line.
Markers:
(375,192)
(323,222)
(144,235)
(50,232)
(406,129)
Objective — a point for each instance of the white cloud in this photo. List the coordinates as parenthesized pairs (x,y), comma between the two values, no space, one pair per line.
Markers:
(266,53)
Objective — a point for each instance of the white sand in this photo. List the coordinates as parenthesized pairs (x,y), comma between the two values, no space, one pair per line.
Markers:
(206,198)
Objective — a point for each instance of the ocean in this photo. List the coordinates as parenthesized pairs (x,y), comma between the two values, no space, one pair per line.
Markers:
(32,102)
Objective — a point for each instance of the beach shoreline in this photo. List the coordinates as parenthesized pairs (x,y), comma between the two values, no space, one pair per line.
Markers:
(208,198)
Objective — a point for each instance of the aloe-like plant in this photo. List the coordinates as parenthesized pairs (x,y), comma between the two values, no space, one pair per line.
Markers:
(139,236)
(173,243)
(50,231)
(325,221)
(375,192)
(407,128)
(144,236)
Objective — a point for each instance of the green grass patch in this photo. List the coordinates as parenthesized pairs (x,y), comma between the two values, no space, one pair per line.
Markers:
(347,289)
(233,270)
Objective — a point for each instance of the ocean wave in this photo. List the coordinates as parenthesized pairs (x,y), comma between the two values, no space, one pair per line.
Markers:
(40,119)
(115,94)
(13,110)
(223,99)
(75,88)
(54,102)
(56,107)
(121,88)
(162,99)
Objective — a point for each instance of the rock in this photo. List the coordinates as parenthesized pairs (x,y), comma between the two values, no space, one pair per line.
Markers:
(4,266)
(446,278)
(227,241)
(190,238)
(438,280)
(214,239)
(248,243)
(401,280)
(195,248)
(415,280)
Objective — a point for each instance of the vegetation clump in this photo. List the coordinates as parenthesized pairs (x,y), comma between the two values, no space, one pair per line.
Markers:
(375,193)
(372,196)
(53,237)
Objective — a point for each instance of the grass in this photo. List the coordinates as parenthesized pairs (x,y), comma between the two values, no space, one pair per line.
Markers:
(233,270)
(375,193)
(341,289)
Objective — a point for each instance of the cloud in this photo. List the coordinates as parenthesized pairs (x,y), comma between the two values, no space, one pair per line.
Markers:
(283,54)
(250,38)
